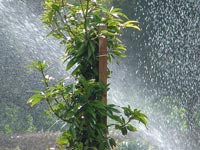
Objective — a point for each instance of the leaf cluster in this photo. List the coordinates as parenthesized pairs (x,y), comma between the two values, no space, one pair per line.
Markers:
(76,25)
(79,103)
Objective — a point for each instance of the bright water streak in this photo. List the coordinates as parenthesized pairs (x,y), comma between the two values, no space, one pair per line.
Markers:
(162,73)
(22,40)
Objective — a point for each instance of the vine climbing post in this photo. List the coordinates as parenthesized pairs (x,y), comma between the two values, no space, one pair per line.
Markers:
(103,62)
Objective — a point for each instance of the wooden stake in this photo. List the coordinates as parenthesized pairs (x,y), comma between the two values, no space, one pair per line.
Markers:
(103,65)
(103,60)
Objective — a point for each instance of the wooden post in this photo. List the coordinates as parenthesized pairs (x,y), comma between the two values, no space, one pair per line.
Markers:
(103,62)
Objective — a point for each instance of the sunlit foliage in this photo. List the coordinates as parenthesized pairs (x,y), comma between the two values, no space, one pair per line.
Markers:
(78,103)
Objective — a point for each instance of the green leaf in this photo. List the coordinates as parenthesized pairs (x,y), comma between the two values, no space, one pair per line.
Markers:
(127,111)
(121,47)
(71,63)
(143,119)
(57,35)
(91,112)
(131,24)
(63,140)
(131,128)
(116,118)
(123,120)
(112,142)
(97,104)
(107,33)
(137,115)
(121,15)
(76,71)
(111,108)
(91,49)
(49,4)
(124,131)
(81,49)
(35,99)
(110,57)
(39,65)
(119,53)
(56,7)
